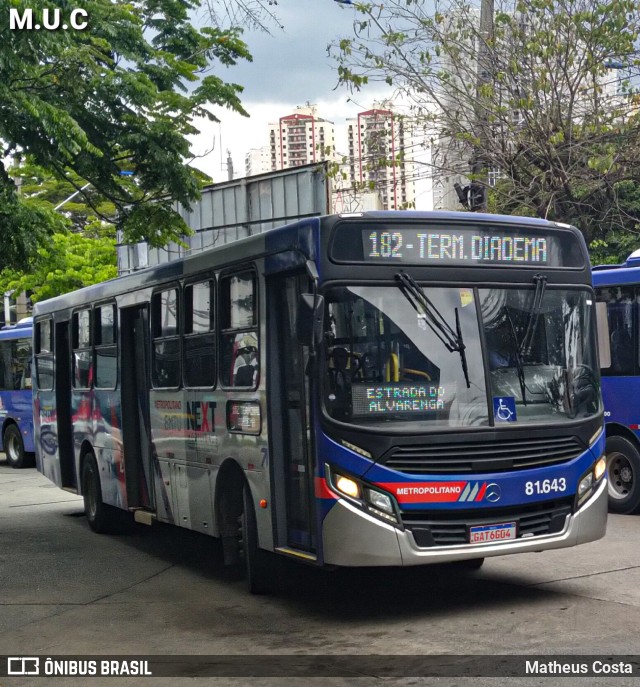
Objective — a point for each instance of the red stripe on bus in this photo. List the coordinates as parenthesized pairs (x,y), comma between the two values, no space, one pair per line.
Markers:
(322,489)
(480,496)
(425,492)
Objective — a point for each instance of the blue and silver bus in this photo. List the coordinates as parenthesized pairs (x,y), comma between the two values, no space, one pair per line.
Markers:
(16,408)
(376,389)
(618,298)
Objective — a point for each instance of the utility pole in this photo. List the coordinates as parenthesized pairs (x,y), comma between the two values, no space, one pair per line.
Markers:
(229,165)
(477,193)
(16,303)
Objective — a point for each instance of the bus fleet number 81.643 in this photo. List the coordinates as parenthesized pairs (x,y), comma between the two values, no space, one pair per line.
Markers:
(545,486)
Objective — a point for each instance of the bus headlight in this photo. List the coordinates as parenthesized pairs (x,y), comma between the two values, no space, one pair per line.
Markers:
(373,501)
(381,505)
(346,485)
(585,485)
(379,500)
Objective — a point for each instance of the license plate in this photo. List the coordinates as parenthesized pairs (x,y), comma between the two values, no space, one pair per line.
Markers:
(492,533)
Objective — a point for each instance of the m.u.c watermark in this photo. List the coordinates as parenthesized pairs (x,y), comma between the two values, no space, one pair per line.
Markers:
(49,19)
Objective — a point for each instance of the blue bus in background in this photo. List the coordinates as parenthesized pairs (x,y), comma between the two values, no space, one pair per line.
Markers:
(16,409)
(618,300)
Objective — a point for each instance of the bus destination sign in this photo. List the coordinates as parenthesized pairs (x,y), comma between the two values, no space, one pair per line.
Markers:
(396,397)
(456,245)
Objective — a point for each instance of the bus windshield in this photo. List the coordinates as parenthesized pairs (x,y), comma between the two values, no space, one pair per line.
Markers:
(384,364)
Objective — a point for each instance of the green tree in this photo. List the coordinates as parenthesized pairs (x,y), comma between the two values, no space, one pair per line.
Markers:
(68,261)
(529,96)
(46,191)
(120,95)
(80,252)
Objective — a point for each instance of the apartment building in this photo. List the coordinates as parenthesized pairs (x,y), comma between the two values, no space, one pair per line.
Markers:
(301,138)
(257,161)
(380,151)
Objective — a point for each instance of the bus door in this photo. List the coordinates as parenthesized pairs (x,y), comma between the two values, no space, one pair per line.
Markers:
(134,376)
(293,467)
(63,405)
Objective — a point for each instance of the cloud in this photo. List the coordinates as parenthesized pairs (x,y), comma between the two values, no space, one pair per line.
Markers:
(293,60)
(290,67)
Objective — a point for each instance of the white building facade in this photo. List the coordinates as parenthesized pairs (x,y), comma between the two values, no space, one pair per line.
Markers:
(301,138)
(257,161)
(380,151)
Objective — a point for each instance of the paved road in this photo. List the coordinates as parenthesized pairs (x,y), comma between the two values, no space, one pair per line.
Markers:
(163,591)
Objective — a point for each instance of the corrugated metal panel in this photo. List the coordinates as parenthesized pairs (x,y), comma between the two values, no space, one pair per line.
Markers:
(235,209)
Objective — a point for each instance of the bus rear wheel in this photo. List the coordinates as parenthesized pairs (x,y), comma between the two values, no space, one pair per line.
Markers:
(623,474)
(101,517)
(14,448)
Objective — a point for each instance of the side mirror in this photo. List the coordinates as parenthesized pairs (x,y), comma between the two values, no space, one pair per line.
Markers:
(310,319)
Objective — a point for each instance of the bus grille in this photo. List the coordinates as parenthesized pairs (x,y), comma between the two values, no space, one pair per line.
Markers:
(431,528)
(487,456)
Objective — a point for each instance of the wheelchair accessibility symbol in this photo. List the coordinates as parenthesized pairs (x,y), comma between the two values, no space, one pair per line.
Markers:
(504,409)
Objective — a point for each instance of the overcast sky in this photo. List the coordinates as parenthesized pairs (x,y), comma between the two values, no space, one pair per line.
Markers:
(290,67)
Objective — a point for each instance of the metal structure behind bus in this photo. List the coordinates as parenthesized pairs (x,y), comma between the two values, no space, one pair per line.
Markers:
(385,388)
(618,294)
(16,408)
(233,210)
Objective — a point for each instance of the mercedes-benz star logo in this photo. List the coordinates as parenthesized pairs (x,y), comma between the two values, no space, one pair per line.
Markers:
(493,492)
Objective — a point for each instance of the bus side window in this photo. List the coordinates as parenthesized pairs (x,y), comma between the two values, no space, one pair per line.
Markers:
(239,348)
(21,364)
(82,367)
(621,314)
(44,354)
(199,352)
(166,339)
(604,340)
(6,375)
(26,374)
(106,349)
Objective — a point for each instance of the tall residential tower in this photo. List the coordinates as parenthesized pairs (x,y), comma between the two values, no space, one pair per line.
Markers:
(380,152)
(301,138)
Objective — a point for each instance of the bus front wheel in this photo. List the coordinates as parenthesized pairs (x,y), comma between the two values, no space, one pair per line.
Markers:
(101,517)
(14,448)
(623,473)
(258,564)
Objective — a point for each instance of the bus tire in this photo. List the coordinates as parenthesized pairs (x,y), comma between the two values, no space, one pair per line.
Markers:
(14,448)
(623,474)
(258,564)
(101,517)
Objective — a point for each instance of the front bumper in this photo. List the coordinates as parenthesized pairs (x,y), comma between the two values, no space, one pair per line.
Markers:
(353,538)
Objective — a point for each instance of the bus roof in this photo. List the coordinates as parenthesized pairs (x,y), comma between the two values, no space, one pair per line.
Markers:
(21,330)
(247,248)
(456,216)
(611,275)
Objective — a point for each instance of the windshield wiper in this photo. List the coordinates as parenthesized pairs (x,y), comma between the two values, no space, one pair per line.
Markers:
(523,347)
(452,340)
(540,280)
(517,356)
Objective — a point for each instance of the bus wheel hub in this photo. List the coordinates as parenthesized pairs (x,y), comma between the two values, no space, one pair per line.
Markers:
(626,475)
